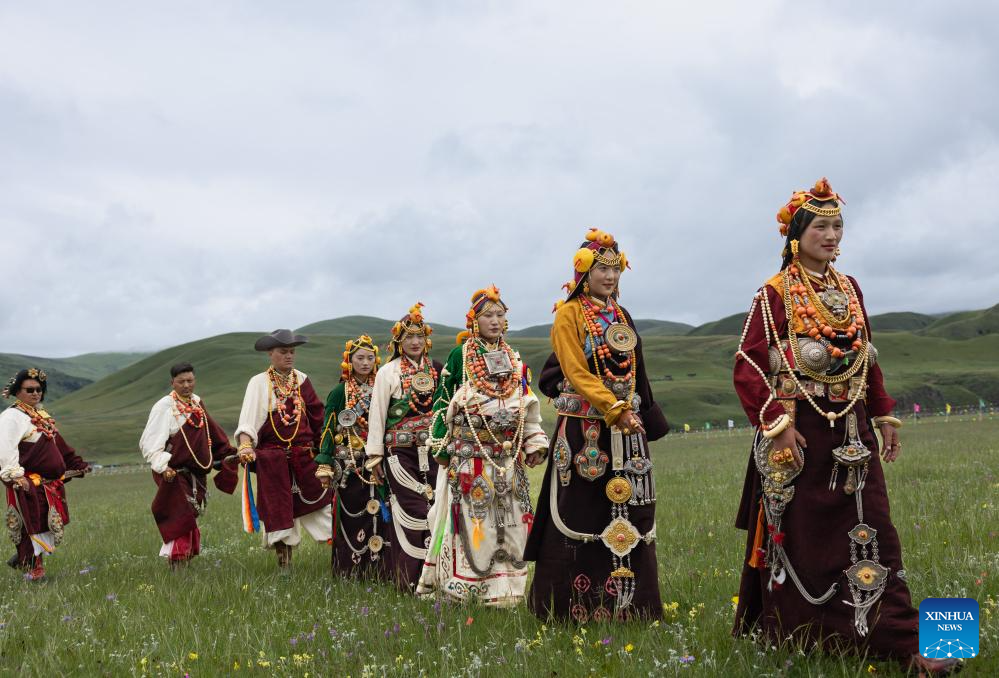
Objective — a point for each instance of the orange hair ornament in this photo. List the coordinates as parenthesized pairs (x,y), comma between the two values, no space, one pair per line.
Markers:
(599,247)
(820,192)
(353,346)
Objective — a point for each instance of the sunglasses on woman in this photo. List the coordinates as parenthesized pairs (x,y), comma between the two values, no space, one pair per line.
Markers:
(32,389)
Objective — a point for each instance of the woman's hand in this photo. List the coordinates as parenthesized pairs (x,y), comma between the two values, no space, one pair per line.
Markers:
(891,446)
(534,458)
(22,484)
(790,439)
(247,455)
(377,474)
(169,474)
(630,423)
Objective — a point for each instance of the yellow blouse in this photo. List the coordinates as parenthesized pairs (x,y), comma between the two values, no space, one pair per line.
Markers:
(568,338)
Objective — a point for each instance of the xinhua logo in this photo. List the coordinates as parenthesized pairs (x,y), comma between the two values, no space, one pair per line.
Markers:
(948,628)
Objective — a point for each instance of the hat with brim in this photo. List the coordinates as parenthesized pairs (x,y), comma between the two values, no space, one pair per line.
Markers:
(280,339)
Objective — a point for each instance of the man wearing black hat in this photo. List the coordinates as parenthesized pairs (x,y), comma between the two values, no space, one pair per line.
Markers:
(279,427)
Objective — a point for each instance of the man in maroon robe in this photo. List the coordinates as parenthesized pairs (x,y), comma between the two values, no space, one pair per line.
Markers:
(279,432)
(182,443)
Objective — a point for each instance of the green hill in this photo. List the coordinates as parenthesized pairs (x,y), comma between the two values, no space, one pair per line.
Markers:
(648,327)
(105,418)
(691,375)
(731,324)
(691,378)
(905,321)
(66,375)
(354,325)
(966,325)
(533,332)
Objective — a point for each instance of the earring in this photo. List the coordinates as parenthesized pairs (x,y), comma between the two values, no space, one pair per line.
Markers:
(794,247)
(837,252)
(475,327)
(586,287)
(506,326)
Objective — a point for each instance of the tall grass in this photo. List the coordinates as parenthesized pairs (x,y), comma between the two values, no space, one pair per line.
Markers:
(110,607)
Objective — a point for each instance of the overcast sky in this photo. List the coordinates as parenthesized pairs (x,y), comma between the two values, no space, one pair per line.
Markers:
(170,171)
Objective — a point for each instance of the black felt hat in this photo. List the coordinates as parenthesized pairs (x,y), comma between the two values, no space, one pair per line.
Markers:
(280,339)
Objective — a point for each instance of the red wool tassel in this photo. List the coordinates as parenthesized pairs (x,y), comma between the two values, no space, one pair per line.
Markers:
(778,538)
(528,519)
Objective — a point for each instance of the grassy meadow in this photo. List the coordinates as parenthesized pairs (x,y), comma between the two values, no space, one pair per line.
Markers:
(110,607)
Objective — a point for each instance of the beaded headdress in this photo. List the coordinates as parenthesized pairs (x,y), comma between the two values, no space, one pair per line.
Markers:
(599,247)
(481,300)
(821,192)
(411,323)
(31,373)
(352,347)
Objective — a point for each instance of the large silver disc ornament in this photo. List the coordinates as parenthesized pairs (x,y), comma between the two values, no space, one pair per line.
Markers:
(422,382)
(621,338)
(346,418)
(773,354)
(814,355)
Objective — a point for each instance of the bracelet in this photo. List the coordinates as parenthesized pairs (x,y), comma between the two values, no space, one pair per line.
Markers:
(778,427)
(894,422)
(247,445)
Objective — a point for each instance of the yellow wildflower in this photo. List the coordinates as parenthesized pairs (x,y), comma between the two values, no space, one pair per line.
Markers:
(193,656)
(629,647)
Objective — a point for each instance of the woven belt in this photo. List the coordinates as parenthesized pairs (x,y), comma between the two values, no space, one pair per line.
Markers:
(396,438)
(410,431)
(289,450)
(575,405)
(484,436)
(469,450)
(785,387)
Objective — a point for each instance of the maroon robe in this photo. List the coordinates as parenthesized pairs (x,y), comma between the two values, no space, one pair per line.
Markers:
(277,462)
(572,578)
(175,516)
(408,569)
(49,458)
(817,521)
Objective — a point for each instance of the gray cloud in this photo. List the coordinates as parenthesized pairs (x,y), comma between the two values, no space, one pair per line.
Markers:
(169,172)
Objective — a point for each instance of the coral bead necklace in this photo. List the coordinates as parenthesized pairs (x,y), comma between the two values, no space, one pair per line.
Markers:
(408,369)
(40,419)
(282,390)
(602,354)
(499,386)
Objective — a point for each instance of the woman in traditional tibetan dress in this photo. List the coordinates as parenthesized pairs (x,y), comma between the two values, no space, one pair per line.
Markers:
(280,425)
(487,425)
(35,464)
(398,429)
(360,506)
(182,443)
(823,560)
(594,536)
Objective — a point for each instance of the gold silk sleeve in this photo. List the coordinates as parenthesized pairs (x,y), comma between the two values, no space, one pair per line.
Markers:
(568,334)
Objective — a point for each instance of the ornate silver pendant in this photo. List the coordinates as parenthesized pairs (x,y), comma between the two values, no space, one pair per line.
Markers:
(498,363)
(835,301)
